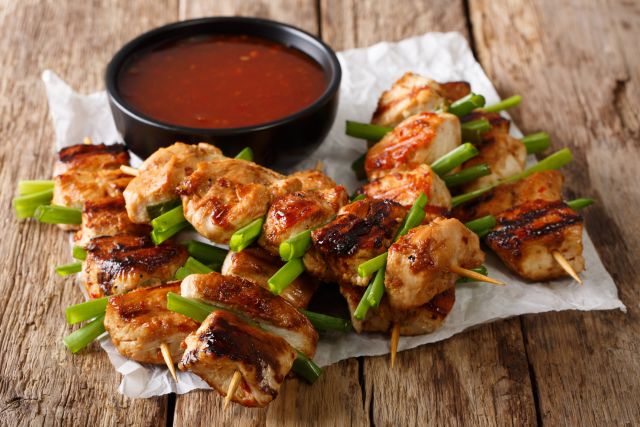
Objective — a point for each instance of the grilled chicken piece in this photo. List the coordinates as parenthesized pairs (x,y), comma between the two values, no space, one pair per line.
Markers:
(224,195)
(224,344)
(526,236)
(314,179)
(91,157)
(505,155)
(418,263)
(121,263)
(160,175)
(362,230)
(416,321)
(106,217)
(271,312)
(138,322)
(258,265)
(404,187)
(413,94)
(293,213)
(417,140)
(545,185)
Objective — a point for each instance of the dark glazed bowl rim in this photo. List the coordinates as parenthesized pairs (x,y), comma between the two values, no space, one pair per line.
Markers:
(333,72)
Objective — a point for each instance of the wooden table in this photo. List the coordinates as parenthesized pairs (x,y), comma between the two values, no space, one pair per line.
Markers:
(578,67)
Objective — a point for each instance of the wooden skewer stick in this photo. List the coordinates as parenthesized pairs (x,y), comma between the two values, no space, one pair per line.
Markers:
(129,170)
(395,337)
(87,141)
(473,275)
(166,355)
(233,386)
(560,259)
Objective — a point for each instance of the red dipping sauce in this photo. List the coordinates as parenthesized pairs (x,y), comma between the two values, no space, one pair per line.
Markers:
(221,81)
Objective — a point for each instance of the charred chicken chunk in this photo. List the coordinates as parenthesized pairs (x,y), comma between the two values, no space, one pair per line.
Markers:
(121,263)
(413,94)
(107,217)
(526,237)
(404,187)
(545,185)
(138,322)
(91,157)
(362,230)
(257,265)
(270,311)
(419,139)
(160,175)
(418,266)
(295,212)
(221,196)
(224,344)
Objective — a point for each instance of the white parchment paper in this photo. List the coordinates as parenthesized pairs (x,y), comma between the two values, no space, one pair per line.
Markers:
(366,73)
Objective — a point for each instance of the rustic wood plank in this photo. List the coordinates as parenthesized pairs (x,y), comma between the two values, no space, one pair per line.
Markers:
(336,398)
(578,67)
(41,383)
(477,378)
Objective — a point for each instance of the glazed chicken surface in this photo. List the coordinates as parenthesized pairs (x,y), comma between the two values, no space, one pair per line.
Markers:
(545,185)
(418,265)
(221,196)
(160,175)
(526,237)
(91,157)
(362,230)
(106,217)
(295,212)
(270,311)
(257,265)
(417,140)
(121,263)
(313,179)
(138,322)
(224,344)
(413,94)
(404,187)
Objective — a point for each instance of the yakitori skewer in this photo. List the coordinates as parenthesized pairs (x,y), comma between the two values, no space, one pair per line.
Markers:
(395,337)
(166,355)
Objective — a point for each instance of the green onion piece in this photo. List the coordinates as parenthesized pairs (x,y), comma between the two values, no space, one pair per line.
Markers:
(52,214)
(472,131)
(296,246)
(467,175)
(182,273)
(510,102)
(162,208)
(536,142)
(359,197)
(324,322)
(358,167)
(192,266)
(306,368)
(462,198)
(67,269)
(414,217)
(578,204)
(169,219)
(78,252)
(363,307)
(207,254)
(369,267)
(481,224)
(160,236)
(34,186)
(285,275)
(246,235)
(245,154)
(482,270)
(467,104)
(26,205)
(454,158)
(377,289)
(79,339)
(366,131)
(86,310)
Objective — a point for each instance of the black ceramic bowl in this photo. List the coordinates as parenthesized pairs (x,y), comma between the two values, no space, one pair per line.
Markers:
(280,143)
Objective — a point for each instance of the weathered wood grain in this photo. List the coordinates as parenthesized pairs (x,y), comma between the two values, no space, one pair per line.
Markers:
(41,383)
(477,378)
(578,67)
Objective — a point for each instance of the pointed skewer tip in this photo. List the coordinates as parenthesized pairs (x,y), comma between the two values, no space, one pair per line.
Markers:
(166,355)
(233,386)
(474,275)
(129,170)
(395,337)
(560,259)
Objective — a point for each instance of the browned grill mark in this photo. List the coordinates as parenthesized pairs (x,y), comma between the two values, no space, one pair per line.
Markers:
(72,153)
